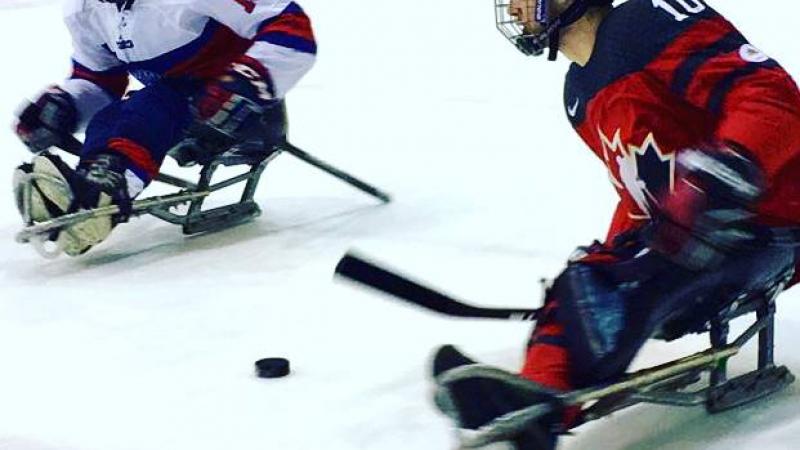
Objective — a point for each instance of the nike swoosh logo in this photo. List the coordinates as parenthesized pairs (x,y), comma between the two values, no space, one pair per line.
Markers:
(573,110)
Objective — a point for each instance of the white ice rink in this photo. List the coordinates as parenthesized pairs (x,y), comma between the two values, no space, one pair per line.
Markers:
(147,342)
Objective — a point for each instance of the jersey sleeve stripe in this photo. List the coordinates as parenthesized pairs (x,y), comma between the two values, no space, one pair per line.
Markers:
(291,28)
(687,71)
(293,42)
(114,81)
(144,166)
(699,36)
(725,85)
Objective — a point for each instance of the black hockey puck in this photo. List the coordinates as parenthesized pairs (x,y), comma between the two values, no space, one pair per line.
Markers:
(272,367)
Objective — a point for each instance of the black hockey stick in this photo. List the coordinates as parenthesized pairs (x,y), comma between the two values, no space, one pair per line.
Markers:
(340,174)
(369,274)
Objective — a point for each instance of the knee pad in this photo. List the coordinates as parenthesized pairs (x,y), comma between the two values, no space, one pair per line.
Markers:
(606,321)
(594,312)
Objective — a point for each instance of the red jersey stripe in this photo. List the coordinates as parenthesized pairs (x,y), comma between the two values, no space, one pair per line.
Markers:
(214,58)
(136,154)
(292,24)
(115,84)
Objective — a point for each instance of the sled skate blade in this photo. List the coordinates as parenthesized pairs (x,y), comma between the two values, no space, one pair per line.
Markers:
(651,394)
(748,388)
(220,218)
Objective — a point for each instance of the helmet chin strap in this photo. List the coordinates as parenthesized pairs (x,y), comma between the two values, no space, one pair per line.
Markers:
(552,29)
(555,41)
(570,15)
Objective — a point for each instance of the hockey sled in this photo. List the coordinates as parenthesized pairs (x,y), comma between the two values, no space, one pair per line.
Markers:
(698,379)
(185,206)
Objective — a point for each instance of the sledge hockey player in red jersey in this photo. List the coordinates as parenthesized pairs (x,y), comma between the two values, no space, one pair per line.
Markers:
(210,67)
(700,134)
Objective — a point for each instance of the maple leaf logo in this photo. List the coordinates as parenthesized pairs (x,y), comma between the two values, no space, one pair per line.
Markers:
(643,171)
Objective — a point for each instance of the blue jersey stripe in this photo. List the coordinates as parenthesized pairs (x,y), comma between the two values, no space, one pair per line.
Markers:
(292,8)
(724,86)
(289,41)
(116,70)
(559,341)
(686,72)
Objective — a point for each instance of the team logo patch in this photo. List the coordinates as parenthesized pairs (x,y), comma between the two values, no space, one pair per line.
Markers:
(644,171)
(752,54)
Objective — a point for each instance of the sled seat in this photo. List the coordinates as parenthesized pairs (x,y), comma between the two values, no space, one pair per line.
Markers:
(213,151)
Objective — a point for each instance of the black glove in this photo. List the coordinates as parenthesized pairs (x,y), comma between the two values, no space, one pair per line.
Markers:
(103,176)
(233,103)
(45,122)
(709,215)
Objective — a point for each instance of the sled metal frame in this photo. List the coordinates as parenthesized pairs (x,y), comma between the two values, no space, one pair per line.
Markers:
(676,383)
(195,220)
(666,384)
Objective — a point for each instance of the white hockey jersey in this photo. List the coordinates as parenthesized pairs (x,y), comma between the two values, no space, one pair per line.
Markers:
(152,39)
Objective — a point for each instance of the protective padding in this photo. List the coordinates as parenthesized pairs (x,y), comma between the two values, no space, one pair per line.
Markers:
(607,322)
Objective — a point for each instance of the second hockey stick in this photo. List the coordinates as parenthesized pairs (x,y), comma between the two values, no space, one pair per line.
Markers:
(371,275)
(338,173)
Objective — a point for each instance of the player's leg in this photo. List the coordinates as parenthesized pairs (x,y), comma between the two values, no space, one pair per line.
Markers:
(549,362)
(126,142)
(133,136)
(123,152)
(701,245)
(598,314)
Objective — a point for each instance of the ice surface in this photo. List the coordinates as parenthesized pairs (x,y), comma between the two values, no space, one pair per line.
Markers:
(147,343)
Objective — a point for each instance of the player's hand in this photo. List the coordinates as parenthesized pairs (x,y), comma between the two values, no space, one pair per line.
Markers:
(232,104)
(708,216)
(46,121)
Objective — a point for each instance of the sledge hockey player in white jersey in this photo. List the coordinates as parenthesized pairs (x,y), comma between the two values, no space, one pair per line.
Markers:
(210,67)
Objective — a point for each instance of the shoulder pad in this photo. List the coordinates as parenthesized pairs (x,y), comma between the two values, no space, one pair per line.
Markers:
(632,36)
(638,30)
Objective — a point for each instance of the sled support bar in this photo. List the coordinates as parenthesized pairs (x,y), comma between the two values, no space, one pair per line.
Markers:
(139,207)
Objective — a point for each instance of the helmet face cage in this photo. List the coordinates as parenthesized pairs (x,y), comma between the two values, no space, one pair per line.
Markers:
(514,30)
(121,4)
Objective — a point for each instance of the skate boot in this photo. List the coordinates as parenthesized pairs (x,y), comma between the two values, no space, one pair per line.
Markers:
(474,401)
(101,182)
(42,188)
(47,188)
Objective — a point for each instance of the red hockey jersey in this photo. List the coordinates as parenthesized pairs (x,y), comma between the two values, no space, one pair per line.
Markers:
(668,75)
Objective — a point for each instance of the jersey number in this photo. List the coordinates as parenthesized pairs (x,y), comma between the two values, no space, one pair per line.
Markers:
(683,10)
(248,5)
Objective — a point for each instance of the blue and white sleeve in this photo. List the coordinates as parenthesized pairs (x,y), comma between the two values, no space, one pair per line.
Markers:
(97,77)
(281,32)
